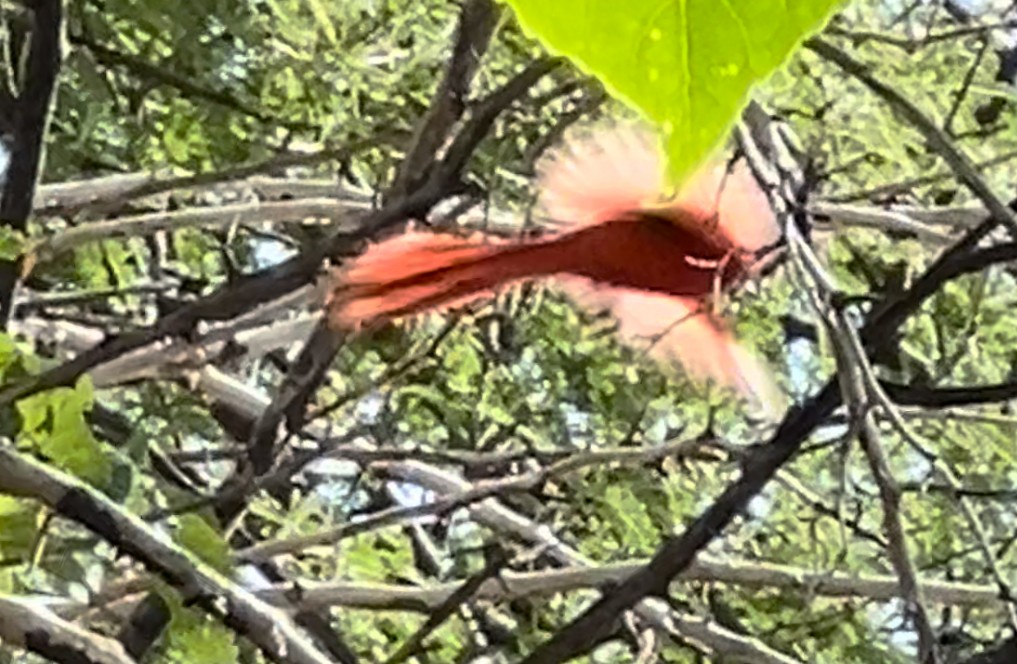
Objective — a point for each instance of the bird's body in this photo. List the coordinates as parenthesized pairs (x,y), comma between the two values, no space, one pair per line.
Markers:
(620,245)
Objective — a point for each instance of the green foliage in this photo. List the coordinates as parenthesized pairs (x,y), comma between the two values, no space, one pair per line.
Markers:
(19,523)
(195,638)
(196,535)
(12,243)
(53,423)
(685,64)
(377,557)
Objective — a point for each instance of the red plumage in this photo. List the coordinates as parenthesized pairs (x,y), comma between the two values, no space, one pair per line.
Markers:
(621,245)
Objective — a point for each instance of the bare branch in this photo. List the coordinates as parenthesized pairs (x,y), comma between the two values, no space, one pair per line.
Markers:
(477,492)
(939,397)
(444,610)
(860,37)
(892,220)
(852,369)
(102,195)
(482,117)
(339,212)
(29,625)
(850,360)
(518,585)
(750,574)
(904,186)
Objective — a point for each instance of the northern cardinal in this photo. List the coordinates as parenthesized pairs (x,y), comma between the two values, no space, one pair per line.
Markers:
(621,244)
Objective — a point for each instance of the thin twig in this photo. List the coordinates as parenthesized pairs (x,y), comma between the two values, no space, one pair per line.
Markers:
(850,359)
(904,186)
(443,611)
(961,93)
(860,36)
(166,76)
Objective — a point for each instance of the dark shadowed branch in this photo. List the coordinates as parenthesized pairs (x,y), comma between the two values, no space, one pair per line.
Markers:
(462,594)
(477,21)
(941,397)
(30,119)
(1005,653)
(484,113)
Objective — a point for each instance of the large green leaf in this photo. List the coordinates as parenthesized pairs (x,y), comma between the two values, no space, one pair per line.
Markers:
(54,423)
(685,64)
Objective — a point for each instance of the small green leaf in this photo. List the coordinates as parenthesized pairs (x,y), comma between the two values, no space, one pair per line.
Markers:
(73,447)
(12,243)
(33,411)
(8,353)
(685,64)
(18,526)
(463,364)
(204,541)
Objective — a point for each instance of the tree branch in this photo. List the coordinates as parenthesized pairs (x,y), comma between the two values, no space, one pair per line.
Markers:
(511,586)
(165,76)
(247,405)
(28,625)
(337,211)
(477,492)
(1005,653)
(245,293)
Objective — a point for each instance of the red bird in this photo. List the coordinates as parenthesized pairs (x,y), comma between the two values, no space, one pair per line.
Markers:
(623,245)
